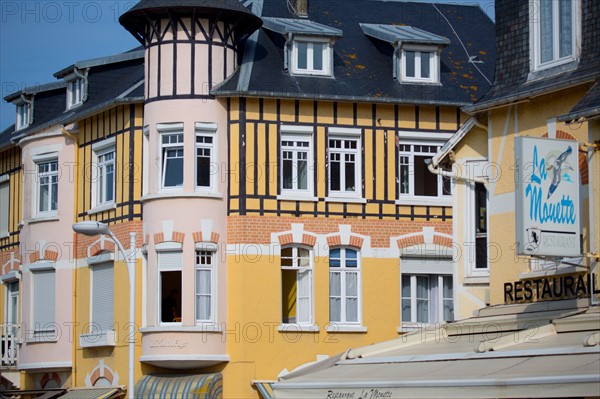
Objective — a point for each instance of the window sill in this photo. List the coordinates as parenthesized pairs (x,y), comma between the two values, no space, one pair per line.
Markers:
(410,81)
(345,328)
(552,69)
(42,337)
(201,328)
(434,201)
(350,200)
(208,194)
(180,194)
(476,280)
(51,217)
(292,327)
(297,198)
(102,208)
(95,340)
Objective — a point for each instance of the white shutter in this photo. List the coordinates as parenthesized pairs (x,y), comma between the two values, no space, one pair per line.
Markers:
(170,260)
(43,299)
(4,210)
(103,297)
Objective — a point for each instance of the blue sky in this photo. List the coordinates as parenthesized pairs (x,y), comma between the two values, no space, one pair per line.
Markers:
(39,38)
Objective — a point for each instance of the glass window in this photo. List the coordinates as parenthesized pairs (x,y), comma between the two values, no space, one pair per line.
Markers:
(344,286)
(427,298)
(205,286)
(419,66)
(74,92)
(481,243)
(554,31)
(296,285)
(4,207)
(22,116)
(311,58)
(47,186)
(415,179)
(172,160)
(344,166)
(169,266)
(106,177)
(205,163)
(296,156)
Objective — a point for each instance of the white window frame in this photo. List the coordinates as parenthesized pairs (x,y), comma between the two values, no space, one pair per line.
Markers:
(353,135)
(38,161)
(49,300)
(206,130)
(296,267)
(208,251)
(23,116)
(10,295)
(536,36)
(100,150)
(297,134)
(161,268)
(4,206)
(411,171)
(435,305)
(110,286)
(434,63)
(310,70)
(344,271)
(75,88)
(170,129)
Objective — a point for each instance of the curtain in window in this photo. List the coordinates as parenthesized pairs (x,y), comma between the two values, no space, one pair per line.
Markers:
(422,299)
(566,27)
(335,292)
(204,287)
(546,30)
(351,297)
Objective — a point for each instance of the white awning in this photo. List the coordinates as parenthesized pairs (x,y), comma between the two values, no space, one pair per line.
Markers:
(558,359)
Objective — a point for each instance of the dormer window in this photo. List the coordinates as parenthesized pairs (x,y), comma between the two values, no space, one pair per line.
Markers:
(308,47)
(23,116)
(74,92)
(416,52)
(311,57)
(555,32)
(419,65)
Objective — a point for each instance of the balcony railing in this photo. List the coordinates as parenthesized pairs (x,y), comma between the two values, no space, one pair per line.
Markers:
(9,344)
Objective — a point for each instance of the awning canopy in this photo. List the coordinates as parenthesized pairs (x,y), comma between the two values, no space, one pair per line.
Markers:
(558,358)
(180,386)
(305,27)
(402,34)
(93,393)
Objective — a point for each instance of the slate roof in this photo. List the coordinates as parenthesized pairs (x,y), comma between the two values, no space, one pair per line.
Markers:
(588,107)
(109,84)
(36,89)
(513,81)
(362,64)
(135,20)
(5,137)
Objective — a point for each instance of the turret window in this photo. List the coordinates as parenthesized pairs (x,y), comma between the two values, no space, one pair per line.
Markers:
(172,160)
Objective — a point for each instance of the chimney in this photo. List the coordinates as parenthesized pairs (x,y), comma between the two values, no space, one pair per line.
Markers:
(302,8)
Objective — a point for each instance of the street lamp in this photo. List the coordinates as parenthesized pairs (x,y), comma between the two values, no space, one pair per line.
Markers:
(91,228)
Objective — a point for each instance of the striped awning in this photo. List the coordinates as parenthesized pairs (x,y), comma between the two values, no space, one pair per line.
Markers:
(265,388)
(180,386)
(93,393)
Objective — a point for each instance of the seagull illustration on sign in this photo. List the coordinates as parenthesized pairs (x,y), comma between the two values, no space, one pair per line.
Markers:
(556,167)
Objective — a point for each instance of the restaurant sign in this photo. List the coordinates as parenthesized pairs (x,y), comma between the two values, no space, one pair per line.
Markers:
(547,197)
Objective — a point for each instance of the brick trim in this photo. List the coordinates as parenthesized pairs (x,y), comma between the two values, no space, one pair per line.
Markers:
(198,237)
(411,241)
(177,236)
(442,241)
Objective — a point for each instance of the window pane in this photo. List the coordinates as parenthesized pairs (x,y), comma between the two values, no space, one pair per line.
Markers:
(203,167)
(546,29)
(302,55)
(425,64)
(110,183)
(302,174)
(351,258)
(448,289)
(335,285)
(405,286)
(335,309)
(287,174)
(351,284)
(406,311)
(350,173)
(174,171)
(422,287)
(318,56)
(448,310)
(426,183)
(335,172)
(410,63)
(422,311)
(334,257)
(566,27)
(170,289)
(351,310)
(44,194)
